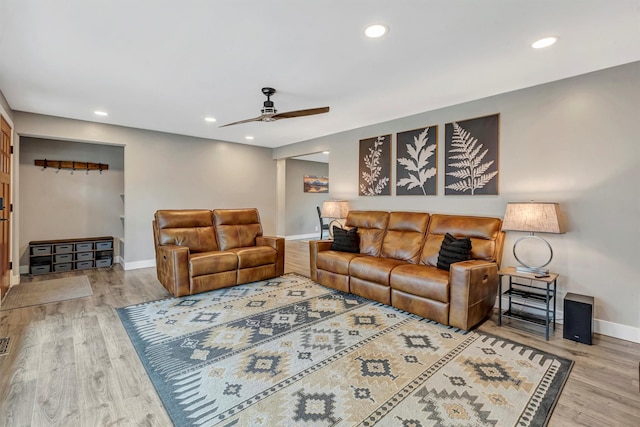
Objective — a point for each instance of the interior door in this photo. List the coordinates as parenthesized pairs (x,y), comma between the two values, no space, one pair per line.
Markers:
(5,212)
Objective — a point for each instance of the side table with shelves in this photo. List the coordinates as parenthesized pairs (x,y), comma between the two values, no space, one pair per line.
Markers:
(519,294)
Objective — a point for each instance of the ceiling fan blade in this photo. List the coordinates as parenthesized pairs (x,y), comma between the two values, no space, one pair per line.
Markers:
(300,113)
(255,119)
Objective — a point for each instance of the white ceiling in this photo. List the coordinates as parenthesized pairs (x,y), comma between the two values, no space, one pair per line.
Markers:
(165,64)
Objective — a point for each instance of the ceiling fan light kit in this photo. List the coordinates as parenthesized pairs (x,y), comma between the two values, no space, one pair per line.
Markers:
(270,114)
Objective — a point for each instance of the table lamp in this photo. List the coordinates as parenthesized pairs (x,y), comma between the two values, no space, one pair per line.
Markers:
(532,217)
(334,210)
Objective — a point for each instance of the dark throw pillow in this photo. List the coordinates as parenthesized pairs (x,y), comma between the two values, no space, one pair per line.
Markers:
(453,250)
(345,240)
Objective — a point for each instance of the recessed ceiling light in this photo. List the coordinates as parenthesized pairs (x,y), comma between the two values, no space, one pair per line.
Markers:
(376,30)
(100,113)
(325,152)
(249,137)
(209,119)
(545,42)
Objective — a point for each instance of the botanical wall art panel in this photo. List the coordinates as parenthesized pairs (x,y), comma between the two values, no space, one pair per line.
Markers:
(417,167)
(375,166)
(471,156)
(316,184)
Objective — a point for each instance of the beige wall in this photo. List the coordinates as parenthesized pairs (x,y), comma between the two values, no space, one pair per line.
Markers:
(572,141)
(301,216)
(166,171)
(59,204)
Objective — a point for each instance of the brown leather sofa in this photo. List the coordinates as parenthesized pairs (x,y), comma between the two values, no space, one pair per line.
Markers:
(202,250)
(397,264)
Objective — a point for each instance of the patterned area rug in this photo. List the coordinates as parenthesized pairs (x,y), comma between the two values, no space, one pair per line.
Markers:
(288,352)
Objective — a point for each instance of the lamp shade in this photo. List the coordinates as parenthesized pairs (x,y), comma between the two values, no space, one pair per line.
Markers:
(532,217)
(335,209)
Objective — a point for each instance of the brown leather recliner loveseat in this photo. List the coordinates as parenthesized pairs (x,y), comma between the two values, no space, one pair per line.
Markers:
(397,264)
(200,250)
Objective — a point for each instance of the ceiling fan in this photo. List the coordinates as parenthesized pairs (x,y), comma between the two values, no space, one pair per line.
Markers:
(270,114)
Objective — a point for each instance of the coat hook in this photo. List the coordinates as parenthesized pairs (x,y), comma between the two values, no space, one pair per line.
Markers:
(44,164)
(73,167)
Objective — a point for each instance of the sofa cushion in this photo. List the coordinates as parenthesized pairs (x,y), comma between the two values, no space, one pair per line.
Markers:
(453,250)
(255,256)
(404,236)
(192,228)
(484,234)
(334,261)
(345,240)
(237,228)
(204,263)
(422,281)
(371,227)
(373,269)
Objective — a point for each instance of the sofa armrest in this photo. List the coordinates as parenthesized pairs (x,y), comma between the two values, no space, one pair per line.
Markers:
(276,243)
(172,265)
(473,286)
(316,246)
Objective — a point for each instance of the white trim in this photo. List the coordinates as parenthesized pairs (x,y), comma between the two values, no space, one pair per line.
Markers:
(603,327)
(616,330)
(303,236)
(15,279)
(139,264)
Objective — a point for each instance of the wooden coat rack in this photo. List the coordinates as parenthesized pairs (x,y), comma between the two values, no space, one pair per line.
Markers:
(73,165)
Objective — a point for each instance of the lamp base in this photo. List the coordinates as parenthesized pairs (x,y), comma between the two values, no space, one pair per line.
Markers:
(524,268)
(532,270)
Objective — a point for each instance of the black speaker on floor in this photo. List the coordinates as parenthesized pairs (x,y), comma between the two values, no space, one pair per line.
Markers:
(578,318)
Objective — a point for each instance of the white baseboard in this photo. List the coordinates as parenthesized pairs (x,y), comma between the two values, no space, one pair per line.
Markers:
(134,265)
(616,330)
(603,327)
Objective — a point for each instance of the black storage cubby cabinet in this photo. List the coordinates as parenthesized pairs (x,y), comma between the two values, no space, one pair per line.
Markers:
(520,294)
(54,256)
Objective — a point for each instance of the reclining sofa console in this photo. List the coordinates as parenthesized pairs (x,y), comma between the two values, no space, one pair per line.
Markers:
(397,264)
(202,250)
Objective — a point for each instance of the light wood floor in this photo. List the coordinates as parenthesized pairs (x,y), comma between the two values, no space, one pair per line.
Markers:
(72,364)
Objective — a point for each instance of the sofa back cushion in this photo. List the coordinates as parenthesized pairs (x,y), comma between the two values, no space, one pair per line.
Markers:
(486,237)
(237,228)
(192,228)
(405,235)
(371,227)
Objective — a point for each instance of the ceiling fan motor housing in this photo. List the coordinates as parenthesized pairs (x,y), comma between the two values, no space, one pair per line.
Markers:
(268,104)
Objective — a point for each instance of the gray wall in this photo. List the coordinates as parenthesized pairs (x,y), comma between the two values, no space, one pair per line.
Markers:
(573,141)
(300,212)
(59,204)
(166,171)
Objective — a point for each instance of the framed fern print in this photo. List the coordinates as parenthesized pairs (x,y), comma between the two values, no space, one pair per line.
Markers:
(471,156)
(375,166)
(417,162)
